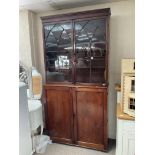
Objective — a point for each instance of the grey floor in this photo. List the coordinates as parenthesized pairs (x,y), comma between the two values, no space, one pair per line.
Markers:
(60,149)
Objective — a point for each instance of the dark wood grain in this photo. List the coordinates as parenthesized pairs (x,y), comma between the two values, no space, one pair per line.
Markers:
(66,86)
(59,113)
(77,110)
(77,15)
(107,49)
(90,113)
(78,115)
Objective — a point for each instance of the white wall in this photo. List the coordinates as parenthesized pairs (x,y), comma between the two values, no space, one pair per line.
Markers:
(122,45)
(33,37)
(27,38)
(24,39)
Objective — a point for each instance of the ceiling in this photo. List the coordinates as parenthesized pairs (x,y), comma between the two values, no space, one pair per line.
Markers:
(47,5)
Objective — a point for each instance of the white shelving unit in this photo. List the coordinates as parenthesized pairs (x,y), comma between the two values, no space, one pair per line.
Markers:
(125,136)
(125,144)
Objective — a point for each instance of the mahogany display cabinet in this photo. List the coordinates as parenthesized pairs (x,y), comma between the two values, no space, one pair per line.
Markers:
(76,48)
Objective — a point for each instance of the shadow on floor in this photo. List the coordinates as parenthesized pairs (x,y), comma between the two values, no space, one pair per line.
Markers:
(111,144)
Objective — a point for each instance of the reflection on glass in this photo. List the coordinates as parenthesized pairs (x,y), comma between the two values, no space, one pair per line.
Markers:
(82,68)
(62,62)
(90,39)
(58,52)
(90,51)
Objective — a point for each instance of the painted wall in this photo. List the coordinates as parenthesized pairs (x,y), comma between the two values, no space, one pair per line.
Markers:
(27,38)
(24,39)
(33,37)
(122,45)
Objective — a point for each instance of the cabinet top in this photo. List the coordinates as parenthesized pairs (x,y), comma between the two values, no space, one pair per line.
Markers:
(77,15)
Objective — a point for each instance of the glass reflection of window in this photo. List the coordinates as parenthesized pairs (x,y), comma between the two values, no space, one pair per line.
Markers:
(62,62)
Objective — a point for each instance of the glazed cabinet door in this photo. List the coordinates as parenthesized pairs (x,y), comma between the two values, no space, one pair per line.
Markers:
(60,115)
(90,108)
(91,50)
(58,51)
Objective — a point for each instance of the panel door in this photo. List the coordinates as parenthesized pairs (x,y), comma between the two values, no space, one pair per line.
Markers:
(90,127)
(60,114)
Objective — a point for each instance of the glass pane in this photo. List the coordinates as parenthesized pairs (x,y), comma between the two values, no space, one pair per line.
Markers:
(58,52)
(90,45)
(97,70)
(83,70)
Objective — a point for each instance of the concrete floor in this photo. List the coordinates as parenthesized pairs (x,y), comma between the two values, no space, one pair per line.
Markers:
(60,149)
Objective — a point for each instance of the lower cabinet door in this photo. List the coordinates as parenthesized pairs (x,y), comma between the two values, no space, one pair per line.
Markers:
(60,116)
(90,117)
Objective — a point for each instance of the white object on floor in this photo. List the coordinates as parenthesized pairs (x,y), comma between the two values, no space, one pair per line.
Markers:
(40,142)
(25,143)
